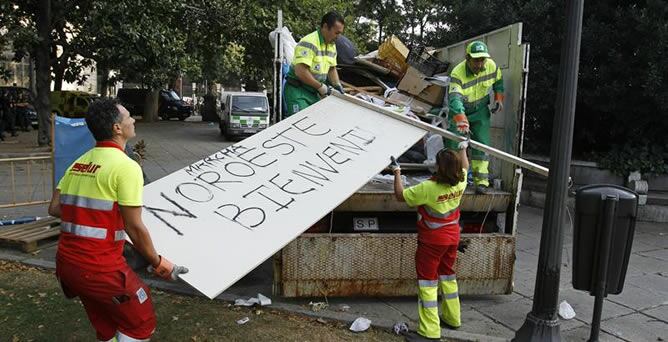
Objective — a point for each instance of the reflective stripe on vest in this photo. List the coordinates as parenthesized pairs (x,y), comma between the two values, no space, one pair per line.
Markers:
(90,232)
(87,202)
(324,56)
(473,89)
(434,220)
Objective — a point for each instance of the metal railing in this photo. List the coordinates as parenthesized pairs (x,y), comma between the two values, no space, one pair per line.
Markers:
(25,180)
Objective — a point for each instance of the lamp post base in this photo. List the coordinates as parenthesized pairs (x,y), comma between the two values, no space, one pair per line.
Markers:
(536,329)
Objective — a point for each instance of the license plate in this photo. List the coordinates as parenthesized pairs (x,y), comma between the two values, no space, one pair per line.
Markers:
(365,224)
(249,131)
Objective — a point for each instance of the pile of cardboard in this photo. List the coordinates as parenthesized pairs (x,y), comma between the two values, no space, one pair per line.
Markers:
(413,79)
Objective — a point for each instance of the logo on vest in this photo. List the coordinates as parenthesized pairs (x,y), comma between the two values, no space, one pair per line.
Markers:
(447,197)
(85,168)
(317,67)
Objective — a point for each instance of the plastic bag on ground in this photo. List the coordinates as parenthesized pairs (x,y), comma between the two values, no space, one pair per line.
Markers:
(566,311)
(360,324)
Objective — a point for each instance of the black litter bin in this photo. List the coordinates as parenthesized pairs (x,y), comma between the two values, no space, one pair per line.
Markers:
(590,203)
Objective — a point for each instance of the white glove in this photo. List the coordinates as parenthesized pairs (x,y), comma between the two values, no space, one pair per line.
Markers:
(325,90)
(464,144)
(167,270)
(394,165)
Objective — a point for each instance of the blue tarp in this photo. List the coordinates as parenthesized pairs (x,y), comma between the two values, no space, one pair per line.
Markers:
(72,139)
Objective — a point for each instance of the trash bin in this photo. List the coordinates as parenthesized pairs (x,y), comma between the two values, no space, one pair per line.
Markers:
(590,223)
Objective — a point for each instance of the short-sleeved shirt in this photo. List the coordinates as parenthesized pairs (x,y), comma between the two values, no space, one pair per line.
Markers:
(91,190)
(316,54)
(434,199)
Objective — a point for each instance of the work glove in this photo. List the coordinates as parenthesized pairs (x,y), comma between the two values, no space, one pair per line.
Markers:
(325,90)
(462,246)
(462,123)
(498,103)
(464,144)
(167,270)
(394,165)
(338,87)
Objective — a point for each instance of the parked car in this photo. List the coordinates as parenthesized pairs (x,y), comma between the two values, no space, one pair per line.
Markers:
(170,105)
(243,113)
(70,103)
(22,100)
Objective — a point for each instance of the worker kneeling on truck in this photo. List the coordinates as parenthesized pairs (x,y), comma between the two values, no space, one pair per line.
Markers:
(313,74)
(437,200)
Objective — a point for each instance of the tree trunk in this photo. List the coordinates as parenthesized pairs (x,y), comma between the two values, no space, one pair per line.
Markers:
(43,73)
(58,76)
(104,82)
(151,106)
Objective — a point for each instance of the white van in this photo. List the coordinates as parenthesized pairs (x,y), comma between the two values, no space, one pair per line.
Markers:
(243,113)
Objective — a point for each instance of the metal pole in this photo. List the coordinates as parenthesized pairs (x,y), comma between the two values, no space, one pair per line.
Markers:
(449,135)
(542,323)
(605,240)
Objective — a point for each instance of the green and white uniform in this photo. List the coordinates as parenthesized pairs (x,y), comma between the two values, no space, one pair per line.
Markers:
(319,57)
(469,94)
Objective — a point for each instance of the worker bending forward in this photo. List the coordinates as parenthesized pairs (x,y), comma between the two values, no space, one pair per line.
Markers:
(470,84)
(437,200)
(99,200)
(313,74)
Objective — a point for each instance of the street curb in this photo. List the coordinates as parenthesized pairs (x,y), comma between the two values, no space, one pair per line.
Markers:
(181,288)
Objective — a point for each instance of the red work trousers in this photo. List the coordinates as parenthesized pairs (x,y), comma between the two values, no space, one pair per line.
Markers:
(114,301)
(432,261)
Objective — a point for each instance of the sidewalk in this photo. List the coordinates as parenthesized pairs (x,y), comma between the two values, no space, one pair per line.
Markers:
(640,313)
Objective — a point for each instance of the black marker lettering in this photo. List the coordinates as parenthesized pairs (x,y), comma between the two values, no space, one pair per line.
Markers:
(305,130)
(252,159)
(288,182)
(280,205)
(291,148)
(193,194)
(213,178)
(239,173)
(331,153)
(282,135)
(237,217)
(184,212)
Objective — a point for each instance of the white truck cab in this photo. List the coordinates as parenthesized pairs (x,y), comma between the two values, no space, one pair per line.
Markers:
(243,113)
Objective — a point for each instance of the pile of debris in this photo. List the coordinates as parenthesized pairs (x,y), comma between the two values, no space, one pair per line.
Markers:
(412,80)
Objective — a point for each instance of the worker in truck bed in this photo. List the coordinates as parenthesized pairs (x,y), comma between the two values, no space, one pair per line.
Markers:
(313,71)
(99,200)
(437,200)
(470,83)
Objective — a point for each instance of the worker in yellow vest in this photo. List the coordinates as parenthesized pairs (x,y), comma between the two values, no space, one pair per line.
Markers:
(313,74)
(437,200)
(470,84)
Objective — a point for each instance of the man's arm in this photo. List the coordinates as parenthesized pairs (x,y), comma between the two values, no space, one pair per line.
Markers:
(464,158)
(304,74)
(498,90)
(141,239)
(54,206)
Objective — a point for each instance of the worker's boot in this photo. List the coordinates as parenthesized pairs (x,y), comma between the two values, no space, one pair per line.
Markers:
(483,190)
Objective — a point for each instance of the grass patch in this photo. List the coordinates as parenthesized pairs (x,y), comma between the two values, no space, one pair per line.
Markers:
(32,308)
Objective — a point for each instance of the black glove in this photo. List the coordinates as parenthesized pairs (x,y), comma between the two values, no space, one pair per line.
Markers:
(463,245)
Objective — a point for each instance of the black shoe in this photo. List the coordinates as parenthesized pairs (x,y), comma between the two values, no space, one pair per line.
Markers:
(447,326)
(483,190)
(412,336)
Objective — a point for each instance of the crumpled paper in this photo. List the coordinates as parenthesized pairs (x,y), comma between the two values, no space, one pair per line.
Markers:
(566,311)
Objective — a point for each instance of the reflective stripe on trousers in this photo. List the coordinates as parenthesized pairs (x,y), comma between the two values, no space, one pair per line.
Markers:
(429,325)
(450,307)
(90,232)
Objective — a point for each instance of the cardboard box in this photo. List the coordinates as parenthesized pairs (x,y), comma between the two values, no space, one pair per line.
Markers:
(416,106)
(414,83)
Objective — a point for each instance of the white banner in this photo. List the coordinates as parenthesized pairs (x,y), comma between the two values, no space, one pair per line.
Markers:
(224,215)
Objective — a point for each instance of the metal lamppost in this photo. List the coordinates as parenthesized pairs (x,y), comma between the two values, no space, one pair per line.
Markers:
(542,323)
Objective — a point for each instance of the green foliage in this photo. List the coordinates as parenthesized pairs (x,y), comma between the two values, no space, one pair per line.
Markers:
(650,158)
(623,79)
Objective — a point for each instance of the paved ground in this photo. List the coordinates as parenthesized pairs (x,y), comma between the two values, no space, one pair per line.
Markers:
(640,313)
